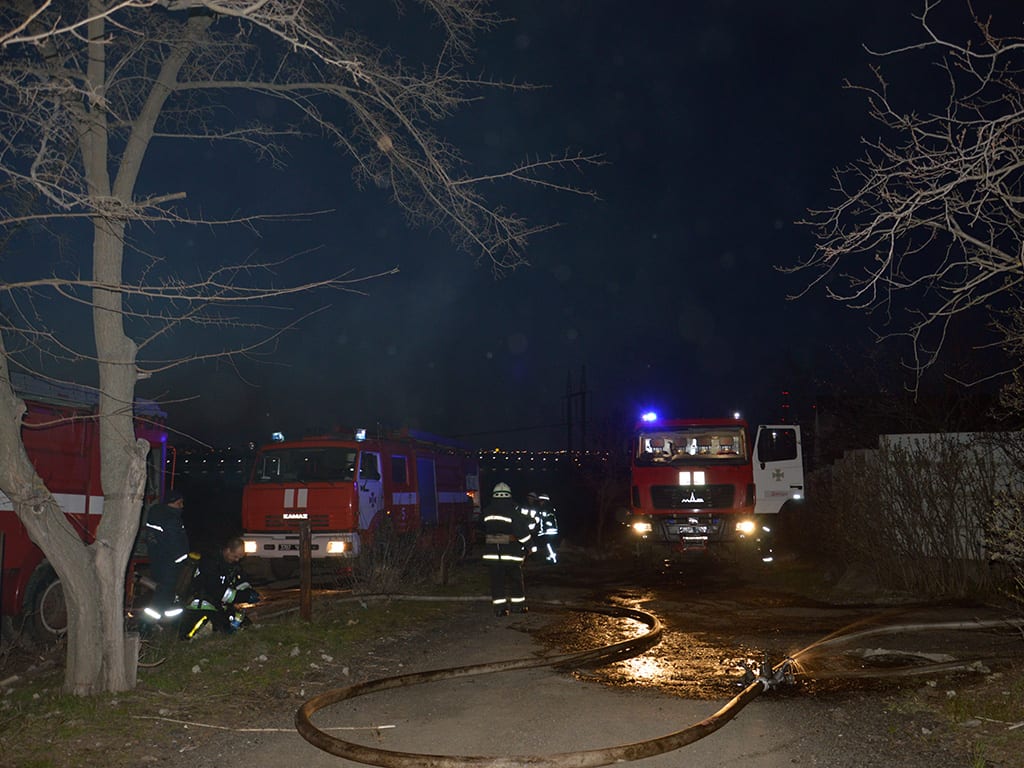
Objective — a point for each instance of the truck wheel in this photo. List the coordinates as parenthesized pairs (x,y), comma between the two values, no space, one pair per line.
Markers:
(643,562)
(49,611)
(284,568)
(460,547)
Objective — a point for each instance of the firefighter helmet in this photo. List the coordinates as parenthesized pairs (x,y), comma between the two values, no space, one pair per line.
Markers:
(502,491)
(532,495)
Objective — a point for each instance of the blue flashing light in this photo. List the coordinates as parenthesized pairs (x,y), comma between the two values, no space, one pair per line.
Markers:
(649,417)
(360,435)
(277,437)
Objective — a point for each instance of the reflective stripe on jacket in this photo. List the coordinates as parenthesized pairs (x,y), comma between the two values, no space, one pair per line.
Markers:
(506,531)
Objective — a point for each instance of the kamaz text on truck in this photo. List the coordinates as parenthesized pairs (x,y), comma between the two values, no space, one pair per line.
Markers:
(698,484)
(61,436)
(347,487)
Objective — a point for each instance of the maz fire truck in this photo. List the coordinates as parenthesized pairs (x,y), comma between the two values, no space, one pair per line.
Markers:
(61,437)
(700,483)
(347,487)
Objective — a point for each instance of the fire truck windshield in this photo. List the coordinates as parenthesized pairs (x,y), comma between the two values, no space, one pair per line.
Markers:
(686,445)
(306,464)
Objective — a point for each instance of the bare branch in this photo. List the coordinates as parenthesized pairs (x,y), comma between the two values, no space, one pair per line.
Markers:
(929,227)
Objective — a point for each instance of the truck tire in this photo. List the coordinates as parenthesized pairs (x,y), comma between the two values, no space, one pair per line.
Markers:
(45,605)
(644,566)
(284,568)
(461,546)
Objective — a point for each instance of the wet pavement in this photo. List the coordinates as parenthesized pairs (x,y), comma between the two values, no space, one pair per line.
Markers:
(714,621)
(719,622)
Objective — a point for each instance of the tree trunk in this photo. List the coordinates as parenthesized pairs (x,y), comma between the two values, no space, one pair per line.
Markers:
(92,576)
(96,659)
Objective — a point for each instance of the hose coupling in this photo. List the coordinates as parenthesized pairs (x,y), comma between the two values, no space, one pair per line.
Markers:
(765,674)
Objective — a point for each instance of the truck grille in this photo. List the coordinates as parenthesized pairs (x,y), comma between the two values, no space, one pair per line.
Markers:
(691,527)
(277,523)
(684,496)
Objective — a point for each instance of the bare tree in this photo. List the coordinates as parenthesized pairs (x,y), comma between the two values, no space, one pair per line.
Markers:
(88,90)
(929,227)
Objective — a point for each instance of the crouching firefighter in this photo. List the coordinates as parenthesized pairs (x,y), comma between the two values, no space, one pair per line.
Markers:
(506,536)
(219,590)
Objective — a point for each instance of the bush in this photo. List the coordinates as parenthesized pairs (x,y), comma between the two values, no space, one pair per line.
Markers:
(1004,538)
(400,561)
(914,511)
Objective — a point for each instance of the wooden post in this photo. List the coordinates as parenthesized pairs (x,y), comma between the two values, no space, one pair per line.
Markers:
(305,571)
(131,658)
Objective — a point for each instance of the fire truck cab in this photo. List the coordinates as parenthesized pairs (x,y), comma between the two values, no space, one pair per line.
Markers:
(61,437)
(346,487)
(699,483)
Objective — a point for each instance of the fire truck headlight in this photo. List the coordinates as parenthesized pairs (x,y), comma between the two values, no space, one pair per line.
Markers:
(642,527)
(746,527)
(250,547)
(335,547)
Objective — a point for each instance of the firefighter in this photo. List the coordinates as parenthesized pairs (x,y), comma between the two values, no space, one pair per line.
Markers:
(167,547)
(546,533)
(219,589)
(532,508)
(506,538)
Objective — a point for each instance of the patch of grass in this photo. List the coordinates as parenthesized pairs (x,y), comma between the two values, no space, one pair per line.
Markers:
(980,714)
(213,680)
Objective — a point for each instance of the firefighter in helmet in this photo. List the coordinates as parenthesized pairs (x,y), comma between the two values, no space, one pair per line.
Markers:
(219,590)
(506,538)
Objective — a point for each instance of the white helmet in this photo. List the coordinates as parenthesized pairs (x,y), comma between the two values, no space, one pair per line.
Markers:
(502,491)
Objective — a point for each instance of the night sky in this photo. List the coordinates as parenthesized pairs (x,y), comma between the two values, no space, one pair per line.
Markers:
(720,123)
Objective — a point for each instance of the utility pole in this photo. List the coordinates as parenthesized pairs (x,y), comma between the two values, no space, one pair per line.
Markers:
(576,404)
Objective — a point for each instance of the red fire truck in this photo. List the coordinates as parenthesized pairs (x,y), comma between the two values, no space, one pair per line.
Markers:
(347,486)
(697,483)
(61,437)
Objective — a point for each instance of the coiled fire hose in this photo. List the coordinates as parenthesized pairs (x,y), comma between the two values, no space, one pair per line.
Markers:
(595,657)
(757,681)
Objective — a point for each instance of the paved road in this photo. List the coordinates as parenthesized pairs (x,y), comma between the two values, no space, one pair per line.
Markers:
(542,712)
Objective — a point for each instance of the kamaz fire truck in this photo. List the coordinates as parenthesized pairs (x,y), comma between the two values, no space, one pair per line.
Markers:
(702,486)
(61,437)
(350,486)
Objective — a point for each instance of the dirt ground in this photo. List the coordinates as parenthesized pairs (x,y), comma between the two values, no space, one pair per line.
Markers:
(548,717)
(541,712)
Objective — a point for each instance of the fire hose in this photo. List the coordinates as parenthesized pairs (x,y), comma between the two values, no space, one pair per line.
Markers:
(596,656)
(758,679)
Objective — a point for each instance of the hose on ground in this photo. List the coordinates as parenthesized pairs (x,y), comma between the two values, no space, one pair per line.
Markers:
(584,759)
(596,656)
